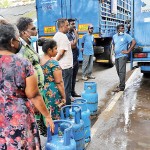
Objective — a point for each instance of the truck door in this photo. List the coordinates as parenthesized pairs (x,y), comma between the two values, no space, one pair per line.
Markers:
(48,12)
(142,22)
(141,31)
(66,8)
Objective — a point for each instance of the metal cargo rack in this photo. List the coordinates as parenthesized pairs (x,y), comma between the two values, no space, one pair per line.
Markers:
(109,20)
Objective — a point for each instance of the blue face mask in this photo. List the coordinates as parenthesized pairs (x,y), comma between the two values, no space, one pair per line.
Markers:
(33,39)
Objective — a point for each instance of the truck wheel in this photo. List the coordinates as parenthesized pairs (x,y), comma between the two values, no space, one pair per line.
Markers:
(146,75)
(111,57)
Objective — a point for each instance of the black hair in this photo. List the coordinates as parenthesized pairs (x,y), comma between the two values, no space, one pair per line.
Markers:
(7,33)
(46,44)
(120,25)
(71,19)
(23,23)
(61,22)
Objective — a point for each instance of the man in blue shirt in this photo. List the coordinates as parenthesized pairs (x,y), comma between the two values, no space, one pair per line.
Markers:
(121,40)
(88,53)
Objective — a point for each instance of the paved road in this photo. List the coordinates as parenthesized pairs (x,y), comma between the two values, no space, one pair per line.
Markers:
(127,125)
(106,79)
(13,13)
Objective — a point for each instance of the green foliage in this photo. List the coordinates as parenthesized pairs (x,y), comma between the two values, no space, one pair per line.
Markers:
(5,3)
(31,14)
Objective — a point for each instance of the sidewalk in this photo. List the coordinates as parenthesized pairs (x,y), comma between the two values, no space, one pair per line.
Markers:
(105,84)
(124,124)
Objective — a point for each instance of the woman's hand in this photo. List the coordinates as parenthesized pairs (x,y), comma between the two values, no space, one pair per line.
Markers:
(63,100)
(63,103)
(49,122)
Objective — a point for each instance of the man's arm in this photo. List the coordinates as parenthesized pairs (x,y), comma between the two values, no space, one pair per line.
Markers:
(82,47)
(82,43)
(113,47)
(94,42)
(133,42)
(75,41)
(60,54)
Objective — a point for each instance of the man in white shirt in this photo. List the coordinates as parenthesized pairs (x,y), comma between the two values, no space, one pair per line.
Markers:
(64,56)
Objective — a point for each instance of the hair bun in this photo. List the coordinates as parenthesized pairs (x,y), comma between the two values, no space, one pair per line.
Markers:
(41,41)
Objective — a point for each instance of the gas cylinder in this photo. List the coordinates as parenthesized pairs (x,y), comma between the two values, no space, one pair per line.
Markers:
(78,124)
(85,115)
(62,138)
(91,95)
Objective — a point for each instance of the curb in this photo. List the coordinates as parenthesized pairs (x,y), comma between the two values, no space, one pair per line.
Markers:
(114,100)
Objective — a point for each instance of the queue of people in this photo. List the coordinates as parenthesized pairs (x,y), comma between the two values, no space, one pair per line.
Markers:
(19,91)
(33,89)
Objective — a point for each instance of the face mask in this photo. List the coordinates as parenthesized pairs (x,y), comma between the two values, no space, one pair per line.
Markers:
(33,39)
(121,33)
(19,47)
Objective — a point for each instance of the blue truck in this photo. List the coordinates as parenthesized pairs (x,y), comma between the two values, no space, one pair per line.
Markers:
(105,15)
(141,32)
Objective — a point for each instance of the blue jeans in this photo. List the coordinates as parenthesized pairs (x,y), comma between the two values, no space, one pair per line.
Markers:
(67,77)
(87,65)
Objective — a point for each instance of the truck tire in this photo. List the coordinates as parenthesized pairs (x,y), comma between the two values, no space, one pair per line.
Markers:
(146,74)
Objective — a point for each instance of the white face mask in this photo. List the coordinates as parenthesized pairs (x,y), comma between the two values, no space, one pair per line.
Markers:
(121,33)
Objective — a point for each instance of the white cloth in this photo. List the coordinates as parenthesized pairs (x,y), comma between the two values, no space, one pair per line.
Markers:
(64,44)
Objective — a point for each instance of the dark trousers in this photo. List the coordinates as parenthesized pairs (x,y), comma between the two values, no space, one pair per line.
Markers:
(75,72)
(67,77)
(120,64)
(87,65)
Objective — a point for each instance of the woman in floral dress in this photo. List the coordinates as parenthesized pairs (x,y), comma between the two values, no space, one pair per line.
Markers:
(54,85)
(18,84)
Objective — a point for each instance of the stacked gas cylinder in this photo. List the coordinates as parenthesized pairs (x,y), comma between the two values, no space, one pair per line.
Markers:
(91,95)
(74,128)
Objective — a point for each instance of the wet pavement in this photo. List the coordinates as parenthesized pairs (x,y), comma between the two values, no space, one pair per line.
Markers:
(127,125)
(106,79)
